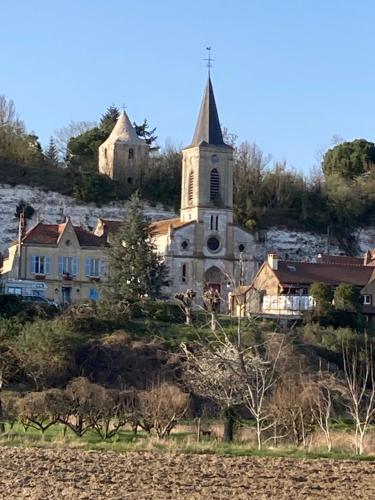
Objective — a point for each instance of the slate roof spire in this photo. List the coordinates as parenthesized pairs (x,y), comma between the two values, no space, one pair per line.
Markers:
(208,127)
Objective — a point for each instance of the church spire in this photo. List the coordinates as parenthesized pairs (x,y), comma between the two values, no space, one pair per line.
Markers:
(208,127)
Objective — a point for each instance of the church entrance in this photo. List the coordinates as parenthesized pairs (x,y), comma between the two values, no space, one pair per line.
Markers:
(213,280)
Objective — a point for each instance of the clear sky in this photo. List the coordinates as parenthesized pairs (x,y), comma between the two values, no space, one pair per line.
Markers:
(288,75)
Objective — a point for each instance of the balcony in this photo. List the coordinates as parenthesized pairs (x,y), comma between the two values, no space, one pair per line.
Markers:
(287,305)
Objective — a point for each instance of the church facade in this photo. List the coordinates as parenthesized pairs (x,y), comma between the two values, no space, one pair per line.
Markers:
(204,248)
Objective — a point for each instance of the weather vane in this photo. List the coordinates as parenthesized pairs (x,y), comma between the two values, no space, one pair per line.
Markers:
(209,60)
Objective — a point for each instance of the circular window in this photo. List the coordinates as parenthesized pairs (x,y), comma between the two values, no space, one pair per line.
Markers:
(241,247)
(215,159)
(184,244)
(213,244)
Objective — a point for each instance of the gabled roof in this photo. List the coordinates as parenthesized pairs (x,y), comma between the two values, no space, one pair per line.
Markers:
(208,129)
(163,226)
(306,273)
(49,234)
(124,131)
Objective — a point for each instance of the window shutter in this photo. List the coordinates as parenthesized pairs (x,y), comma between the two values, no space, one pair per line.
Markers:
(32,264)
(87,266)
(74,266)
(102,267)
(61,265)
(47,264)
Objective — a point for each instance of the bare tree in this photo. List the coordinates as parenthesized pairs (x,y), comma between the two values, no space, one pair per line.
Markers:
(360,389)
(163,406)
(257,374)
(208,372)
(73,129)
(36,409)
(187,303)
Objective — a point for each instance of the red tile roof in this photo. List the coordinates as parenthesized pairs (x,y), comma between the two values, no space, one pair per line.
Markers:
(162,226)
(305,273)
(340,259)
(49,234)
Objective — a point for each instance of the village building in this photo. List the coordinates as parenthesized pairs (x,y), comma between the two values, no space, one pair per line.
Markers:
(68,262)
(204,247)
(281,288)
(124,156)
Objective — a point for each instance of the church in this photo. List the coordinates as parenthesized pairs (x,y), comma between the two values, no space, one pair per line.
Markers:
(204,248)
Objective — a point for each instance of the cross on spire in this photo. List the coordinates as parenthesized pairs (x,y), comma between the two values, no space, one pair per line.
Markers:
(209,60)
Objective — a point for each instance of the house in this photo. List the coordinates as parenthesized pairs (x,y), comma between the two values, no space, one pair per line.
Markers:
(281,288)
(69,259)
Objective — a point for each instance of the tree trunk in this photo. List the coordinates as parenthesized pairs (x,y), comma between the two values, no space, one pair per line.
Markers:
(2,423)
(229,426)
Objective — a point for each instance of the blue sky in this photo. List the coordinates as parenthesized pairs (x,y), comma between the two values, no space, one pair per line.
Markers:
(287,75)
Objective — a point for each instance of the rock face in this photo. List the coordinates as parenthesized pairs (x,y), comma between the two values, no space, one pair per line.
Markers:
(52,207)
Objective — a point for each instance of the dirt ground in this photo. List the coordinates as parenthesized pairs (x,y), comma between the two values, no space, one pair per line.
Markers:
(71,474)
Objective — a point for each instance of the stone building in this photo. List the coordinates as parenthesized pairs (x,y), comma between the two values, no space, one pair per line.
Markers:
(204,248)
(124,156)
(67,261)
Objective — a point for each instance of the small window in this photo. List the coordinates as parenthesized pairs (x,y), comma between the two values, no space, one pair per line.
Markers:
(130,180)
(217,222)
(367,300)
(241,247)
(131,154)
(212,222)
(183,273)
(105,153)
(184,245)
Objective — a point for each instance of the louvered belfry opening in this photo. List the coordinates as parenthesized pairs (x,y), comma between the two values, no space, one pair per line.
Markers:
(191,186)
(214,185)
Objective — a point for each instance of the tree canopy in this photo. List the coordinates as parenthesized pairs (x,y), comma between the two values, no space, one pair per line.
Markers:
(349,159)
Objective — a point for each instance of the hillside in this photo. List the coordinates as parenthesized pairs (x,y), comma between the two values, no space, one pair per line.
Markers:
(52,206)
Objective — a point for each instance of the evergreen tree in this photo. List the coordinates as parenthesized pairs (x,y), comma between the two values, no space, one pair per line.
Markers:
(109,119)
(51,154)
(135,269)
(145,132)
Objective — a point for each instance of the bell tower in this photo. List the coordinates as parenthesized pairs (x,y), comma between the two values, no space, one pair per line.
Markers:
(207,167)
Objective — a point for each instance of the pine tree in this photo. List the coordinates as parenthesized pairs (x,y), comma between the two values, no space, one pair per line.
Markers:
(145,132)
(109,119)
(51,155)
(136,271)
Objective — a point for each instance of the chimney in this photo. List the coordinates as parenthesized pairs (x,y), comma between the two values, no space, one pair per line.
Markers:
(273,261)
(367,258)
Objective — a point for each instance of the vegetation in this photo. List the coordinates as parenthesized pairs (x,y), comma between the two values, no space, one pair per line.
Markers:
(135,270)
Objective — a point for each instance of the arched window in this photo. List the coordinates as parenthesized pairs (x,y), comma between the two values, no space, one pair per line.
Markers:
(131,154)
(191,187)
(214,184)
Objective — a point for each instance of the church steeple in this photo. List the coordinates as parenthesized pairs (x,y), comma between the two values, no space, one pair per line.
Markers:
(207,167)
(208,129)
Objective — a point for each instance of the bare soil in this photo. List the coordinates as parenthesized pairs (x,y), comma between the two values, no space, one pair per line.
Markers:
(72,474)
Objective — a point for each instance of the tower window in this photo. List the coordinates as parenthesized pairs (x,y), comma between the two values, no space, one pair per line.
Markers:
(183,273)
(212,222)
(214,184)
(217,222)
(130,180)
(105,153)
(191,187)
(131,154)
